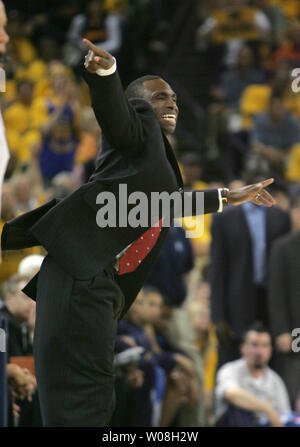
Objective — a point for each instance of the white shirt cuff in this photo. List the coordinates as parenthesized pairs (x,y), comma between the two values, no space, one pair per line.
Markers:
(108,71)
(220,209)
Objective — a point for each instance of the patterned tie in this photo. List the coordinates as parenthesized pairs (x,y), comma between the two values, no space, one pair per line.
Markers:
(139,249)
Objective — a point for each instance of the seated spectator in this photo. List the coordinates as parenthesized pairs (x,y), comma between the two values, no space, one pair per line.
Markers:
(248,392)
(19,122)
(102,28)
(16,308)
(274,134)
(22,385)
(290,49)
(284,303)
(182,389)
(158,362)
(233,82)
(228,29)
(129,377)
(225,121)
(256,98)
(142,313)
(19,311)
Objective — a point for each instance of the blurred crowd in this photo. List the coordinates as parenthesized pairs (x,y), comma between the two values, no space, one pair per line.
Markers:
(209,339)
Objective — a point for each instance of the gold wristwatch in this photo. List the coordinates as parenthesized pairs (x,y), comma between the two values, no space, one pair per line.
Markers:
(224,195)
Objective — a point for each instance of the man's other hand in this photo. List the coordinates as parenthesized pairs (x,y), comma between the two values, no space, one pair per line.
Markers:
(97,58)
(255,193)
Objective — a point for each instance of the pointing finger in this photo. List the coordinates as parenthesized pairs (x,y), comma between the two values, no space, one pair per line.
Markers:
(266,183)
(98,51)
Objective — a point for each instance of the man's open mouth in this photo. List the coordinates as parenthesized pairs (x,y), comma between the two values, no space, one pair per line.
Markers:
(169,117)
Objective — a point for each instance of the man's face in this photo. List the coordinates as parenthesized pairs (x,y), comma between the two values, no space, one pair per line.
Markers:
(257,349)
(3,35)
(163,101)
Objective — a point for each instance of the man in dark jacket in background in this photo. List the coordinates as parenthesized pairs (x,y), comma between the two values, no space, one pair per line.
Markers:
(241,241)
(284,304)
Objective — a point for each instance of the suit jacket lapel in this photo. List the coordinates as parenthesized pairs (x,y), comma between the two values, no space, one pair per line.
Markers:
(172,159)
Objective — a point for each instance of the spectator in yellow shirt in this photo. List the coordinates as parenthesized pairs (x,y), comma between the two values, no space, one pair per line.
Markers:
(19,122)
(292,173)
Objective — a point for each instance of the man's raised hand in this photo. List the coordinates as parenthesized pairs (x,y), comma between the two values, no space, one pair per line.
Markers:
(97,58)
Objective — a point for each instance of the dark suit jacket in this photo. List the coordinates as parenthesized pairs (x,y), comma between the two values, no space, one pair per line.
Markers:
(232,286)
(284,286)
(134,151)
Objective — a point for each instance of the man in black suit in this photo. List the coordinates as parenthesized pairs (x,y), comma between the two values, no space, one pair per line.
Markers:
(284,303)
(241,241)
(85,283)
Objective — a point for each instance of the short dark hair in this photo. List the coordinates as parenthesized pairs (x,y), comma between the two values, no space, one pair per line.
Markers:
(136,88)
(147,290)
(257,326)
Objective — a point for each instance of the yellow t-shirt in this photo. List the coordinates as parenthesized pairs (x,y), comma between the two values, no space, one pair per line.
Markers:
(230,27)
(254,100)
(20,130)
(292,173)
(24,49)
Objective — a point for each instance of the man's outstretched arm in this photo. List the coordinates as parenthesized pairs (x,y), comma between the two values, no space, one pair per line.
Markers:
(210,201)
(118,120)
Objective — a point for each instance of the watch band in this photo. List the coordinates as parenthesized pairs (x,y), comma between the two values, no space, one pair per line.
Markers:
(224,193)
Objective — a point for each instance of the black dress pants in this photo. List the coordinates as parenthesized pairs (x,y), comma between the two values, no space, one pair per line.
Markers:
(74,339)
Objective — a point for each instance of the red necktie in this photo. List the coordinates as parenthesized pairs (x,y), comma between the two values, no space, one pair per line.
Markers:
(139,249)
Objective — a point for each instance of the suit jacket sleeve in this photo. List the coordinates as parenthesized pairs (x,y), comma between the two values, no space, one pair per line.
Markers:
(277,293)
(16,234)
(118,119)
(195,203)
(219,273)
